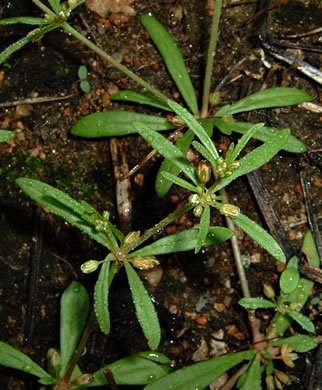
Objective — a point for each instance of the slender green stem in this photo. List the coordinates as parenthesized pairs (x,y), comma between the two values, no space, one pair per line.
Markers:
(44,8)
(159,226)
(236,251)
(65,381)
(210,58)
(115,63)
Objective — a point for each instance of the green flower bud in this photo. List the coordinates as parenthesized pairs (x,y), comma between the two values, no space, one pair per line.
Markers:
(72,3)
(84,379)
(194,199)
(197,211)
(145,263)
(90,266)
(282,377)
(229,210)
(234,165)
(106,215)
(131,237)
(177,121)
(101,225)
(296,306)
(269,379)
(53,358)
(269,291)
(214,98)
(204,171)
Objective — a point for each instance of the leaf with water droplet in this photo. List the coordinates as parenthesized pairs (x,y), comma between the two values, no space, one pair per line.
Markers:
(300,342)
(135,369)
(256,303)
(257,158)
(289,280)
(11,357)
(74,308)
(145,310)
(302,320)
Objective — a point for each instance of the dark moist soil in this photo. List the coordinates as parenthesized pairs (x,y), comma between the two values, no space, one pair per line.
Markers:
(197,295)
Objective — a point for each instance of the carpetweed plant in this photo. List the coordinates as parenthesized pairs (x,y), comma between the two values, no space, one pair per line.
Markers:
(121,250)
(206,183)
(63,372)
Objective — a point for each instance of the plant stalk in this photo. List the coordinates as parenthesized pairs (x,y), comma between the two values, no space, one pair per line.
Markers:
(159,226)
(44,8)
(65,381)
(236,251)
(210,58)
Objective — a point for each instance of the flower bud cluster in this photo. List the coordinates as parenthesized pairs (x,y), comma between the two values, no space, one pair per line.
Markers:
(223,169)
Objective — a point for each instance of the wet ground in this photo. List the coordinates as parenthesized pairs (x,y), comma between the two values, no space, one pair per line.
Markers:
(197,295)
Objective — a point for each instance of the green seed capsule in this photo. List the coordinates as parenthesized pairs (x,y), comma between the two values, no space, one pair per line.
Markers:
(230,210)
(84,379)
(197,211)
(269,291)
(90,266)
(204,171)
(145,263)
(131,237)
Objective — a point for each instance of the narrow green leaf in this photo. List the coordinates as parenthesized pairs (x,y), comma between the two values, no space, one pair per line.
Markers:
(63,205)
(33,35)
(141,98)
(162,186)
(302,320)
(256,303)
(252,379)
(180,182)
(258,234)
(6,135)
(196,127)
(101,298)
(138,369)
(55,5)
(204,152)
(289,280)
(24,19)
(183,241)
(199,375)
(11,357)
(74,308)
(204,227)
(300,342)
(293,144)
(257,157)
(167,150)
(244,140)
(272,97)
(116,123)
(145,310)
(173,60)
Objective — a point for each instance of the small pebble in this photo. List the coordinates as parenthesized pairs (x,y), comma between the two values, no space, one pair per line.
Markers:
(202,320)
